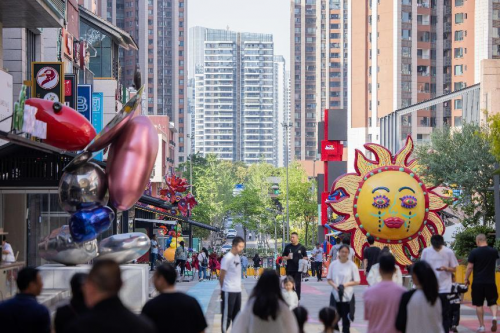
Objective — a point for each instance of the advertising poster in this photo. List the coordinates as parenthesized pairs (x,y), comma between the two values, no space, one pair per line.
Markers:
(47,79)
(84,101)
(97,115)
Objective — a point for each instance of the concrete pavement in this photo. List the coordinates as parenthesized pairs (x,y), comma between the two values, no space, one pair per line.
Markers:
(315,296)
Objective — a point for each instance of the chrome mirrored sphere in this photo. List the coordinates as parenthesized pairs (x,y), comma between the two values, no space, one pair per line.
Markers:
(83,187)
(59,247)
(124,248)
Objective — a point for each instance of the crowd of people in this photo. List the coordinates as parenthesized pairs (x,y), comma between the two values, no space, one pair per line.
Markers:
(433,305)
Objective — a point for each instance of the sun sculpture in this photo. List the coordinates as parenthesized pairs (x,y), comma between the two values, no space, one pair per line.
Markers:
(386,199)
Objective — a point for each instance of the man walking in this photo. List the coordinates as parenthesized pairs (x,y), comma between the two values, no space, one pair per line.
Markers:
(317,263)
(185,309)
(107,313)
(370,254)
(444,263)
(230,283)
(293,253)
(381,318)
(154,252)
(23,313)
(482,261)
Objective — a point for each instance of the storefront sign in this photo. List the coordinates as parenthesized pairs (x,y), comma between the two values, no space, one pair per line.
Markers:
(68,44)
(70,90)
(97,116)
(6,102)
(331,150)
(84,102)
(46,81)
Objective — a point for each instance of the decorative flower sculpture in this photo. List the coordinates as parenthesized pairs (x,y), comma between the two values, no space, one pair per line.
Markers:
(386,199)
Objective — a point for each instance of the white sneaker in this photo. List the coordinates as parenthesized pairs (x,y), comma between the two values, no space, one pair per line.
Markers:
(481,330)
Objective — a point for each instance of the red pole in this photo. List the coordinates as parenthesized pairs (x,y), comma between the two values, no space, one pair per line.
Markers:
(325,163)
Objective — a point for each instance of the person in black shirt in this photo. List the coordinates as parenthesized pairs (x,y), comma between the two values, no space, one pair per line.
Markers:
(107,313)
(482,261)
(293,253)
(370,254)
(185,309)
(66,314)
(23,313)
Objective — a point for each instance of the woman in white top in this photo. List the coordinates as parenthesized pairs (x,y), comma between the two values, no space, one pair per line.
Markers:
(374,276)
(343,275)
(266,311)
(7,252)
(420,309)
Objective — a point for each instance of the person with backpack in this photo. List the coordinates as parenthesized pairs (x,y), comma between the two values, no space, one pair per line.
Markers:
(203,262)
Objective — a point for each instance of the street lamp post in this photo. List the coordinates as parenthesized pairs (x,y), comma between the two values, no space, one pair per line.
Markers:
(287,127)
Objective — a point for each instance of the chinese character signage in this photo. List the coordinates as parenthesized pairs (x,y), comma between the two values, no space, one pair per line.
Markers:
(46,81)
(70,90)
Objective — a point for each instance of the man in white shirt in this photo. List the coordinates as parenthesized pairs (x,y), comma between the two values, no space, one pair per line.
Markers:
(7,252)
(444,263)
(230,283)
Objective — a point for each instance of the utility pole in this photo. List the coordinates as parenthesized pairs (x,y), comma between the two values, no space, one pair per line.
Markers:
(287,126)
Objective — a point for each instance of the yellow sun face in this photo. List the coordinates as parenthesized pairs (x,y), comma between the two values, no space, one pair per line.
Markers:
(386,199)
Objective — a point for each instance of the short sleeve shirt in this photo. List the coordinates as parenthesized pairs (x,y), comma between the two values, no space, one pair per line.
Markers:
(232,265)
(299,252)
(438,259)
(154,249)
(317,254)
(8,257)
(484,259)
(371,254)
(341,273)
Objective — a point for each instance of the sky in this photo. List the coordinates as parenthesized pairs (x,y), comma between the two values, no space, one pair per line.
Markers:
(261,16)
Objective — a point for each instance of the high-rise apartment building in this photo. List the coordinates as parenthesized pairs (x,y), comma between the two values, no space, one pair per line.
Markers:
(234,91)
(405,52)
(281,106)
(319,50)
(159,29)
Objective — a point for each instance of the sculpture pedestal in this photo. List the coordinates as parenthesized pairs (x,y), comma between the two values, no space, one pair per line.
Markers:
(134,292)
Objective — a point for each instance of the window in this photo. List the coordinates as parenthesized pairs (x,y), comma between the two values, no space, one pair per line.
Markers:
(406,17)
(459,35)
(459,70)
(458,104)
(459,52)
(459,85)
(459,3)
(459,18)
(458,121)
(406,34)
(406,52)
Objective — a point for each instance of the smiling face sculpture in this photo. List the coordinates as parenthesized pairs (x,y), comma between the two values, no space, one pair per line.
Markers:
(386,199)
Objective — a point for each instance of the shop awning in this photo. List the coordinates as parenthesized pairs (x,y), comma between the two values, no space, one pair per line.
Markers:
(156,221)
(121,37)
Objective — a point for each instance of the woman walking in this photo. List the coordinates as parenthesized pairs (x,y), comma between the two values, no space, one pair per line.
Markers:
(420,308)
(343,275)
(203,262)
(256,265)
(181,257)
(266,310)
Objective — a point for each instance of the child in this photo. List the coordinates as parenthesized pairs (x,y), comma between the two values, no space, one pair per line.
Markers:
(455,297)
(329,317)
(289,294)
(301,316)
(304,268)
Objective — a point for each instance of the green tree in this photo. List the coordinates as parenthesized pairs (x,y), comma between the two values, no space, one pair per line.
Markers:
(246,209)
(213,183)
(462,159)
(303,208)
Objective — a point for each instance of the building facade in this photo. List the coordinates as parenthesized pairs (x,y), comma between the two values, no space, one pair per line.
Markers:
(281,106)
(234,109)
(159,28)
(319,54)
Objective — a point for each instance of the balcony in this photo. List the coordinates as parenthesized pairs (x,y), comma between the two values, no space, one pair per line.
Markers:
(172,143)
(447,27)
(447,44)
(32,14)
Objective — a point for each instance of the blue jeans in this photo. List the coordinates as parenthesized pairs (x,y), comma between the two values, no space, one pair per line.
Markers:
(243,271)
(204,270)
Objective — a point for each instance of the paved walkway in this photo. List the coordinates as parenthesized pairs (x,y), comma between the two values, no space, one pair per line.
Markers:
(315,296)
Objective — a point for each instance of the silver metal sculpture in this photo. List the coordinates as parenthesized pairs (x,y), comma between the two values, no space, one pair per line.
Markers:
(59,247)
(83,187)
(124,248)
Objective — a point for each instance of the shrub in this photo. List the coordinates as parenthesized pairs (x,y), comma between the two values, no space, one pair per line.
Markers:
(465,240)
